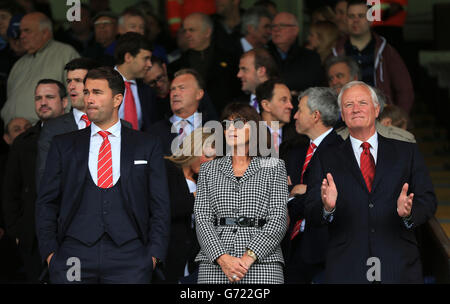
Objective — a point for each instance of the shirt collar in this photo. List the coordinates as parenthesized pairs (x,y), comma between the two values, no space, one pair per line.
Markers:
(246,46)
(193,119)
(133,81)
(114,130)
(356,143)
(77,114)
(280,130)
(319,139)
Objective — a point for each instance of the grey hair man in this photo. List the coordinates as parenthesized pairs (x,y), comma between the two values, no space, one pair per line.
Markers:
(255,28)
(316,115)
(341,70)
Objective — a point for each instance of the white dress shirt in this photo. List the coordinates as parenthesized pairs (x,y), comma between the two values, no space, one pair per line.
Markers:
(77,116)
(194,122)
(357,149)
(137,101)
(246,46)
(94,148)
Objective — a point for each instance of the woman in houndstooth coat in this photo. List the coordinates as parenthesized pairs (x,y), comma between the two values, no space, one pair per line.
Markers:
(240,208)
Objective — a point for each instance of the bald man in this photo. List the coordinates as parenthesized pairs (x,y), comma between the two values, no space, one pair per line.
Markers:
(299,68)
(45,58)
(215,66)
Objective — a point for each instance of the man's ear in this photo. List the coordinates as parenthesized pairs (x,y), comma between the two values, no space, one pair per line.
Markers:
(65,102)
(7,139)
(261,72)
(200,94)
(265,104)
(127,57)
(117,100)
(317,116)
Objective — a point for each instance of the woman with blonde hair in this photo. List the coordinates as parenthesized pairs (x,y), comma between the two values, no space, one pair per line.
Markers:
(322,38)
(182,170)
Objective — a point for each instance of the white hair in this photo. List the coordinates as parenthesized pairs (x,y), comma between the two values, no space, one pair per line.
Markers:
(46,23)
(373,94)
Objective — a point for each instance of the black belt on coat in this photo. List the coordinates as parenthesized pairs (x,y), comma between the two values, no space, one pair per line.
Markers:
(242,221)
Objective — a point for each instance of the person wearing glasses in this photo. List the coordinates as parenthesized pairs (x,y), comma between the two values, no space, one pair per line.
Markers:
(299,67)
(240,208)
(182,172)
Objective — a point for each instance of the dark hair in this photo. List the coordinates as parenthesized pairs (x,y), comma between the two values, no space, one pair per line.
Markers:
(263,58)
(11,7)
(115,80)
(265,3)
(358,2)
(81,63)
(131,43)
(396,114)
(132,11)
(157,60)
(248,114)
(61,88)
(264,91)
(194,73)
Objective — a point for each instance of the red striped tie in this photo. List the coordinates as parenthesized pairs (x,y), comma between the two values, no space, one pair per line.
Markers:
(104,166)
(130,107)
(309,155)
(86,120)
(367,165)
(276,136)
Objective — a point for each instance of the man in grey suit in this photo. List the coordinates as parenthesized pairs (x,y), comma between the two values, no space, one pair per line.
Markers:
(76,119)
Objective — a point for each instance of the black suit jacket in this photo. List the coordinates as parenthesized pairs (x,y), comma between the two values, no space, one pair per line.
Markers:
(147,98)
(19,188)
(366,224)
(309,246)
(301,69)
(183,244)
(144,188)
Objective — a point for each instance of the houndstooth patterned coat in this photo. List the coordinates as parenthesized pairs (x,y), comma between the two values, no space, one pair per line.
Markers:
(261,193)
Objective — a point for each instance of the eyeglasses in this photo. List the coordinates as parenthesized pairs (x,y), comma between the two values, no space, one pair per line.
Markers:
(281,26)
(153,82)
(238,123)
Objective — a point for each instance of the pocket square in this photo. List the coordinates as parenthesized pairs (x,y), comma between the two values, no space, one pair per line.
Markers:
(140,162)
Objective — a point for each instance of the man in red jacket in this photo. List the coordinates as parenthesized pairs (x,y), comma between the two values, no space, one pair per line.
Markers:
(380,64)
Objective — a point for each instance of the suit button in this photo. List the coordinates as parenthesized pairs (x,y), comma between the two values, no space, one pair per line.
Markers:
(236,189)
(370,205)
(372,230)
(105,212)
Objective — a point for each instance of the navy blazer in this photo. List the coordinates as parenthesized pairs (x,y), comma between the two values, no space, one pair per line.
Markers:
(366,224)
(313,239)
(149,107)
(144,188)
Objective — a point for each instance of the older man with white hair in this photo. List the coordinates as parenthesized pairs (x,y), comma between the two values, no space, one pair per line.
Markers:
(45,58)
(372,192)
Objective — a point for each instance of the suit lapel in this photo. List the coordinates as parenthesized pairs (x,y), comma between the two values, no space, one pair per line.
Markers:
(70,121)
(82,153)
(348,156)
(385,160)
(126,153)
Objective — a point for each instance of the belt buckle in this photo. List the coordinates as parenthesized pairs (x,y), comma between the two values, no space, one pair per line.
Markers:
(243,221)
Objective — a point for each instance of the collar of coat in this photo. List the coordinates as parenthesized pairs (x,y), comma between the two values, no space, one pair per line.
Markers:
(256,164)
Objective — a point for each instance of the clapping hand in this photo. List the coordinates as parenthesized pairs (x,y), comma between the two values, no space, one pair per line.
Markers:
(404,202)
(328,193)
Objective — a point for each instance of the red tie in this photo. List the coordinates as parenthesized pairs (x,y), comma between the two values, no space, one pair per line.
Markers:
(130,106)
(104,166)
(367,165)
(86,120)
(309,155)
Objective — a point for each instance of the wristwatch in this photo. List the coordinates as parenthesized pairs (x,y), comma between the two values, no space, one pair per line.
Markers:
(251,254)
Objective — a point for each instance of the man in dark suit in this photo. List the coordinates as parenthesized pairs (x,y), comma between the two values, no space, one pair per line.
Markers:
(275,103)
(300,68)
(316,115)
(72,121)
(255,67)
(133,60)
(217,67)
(187,90)
(19,186)
(103,203)
(372,192)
